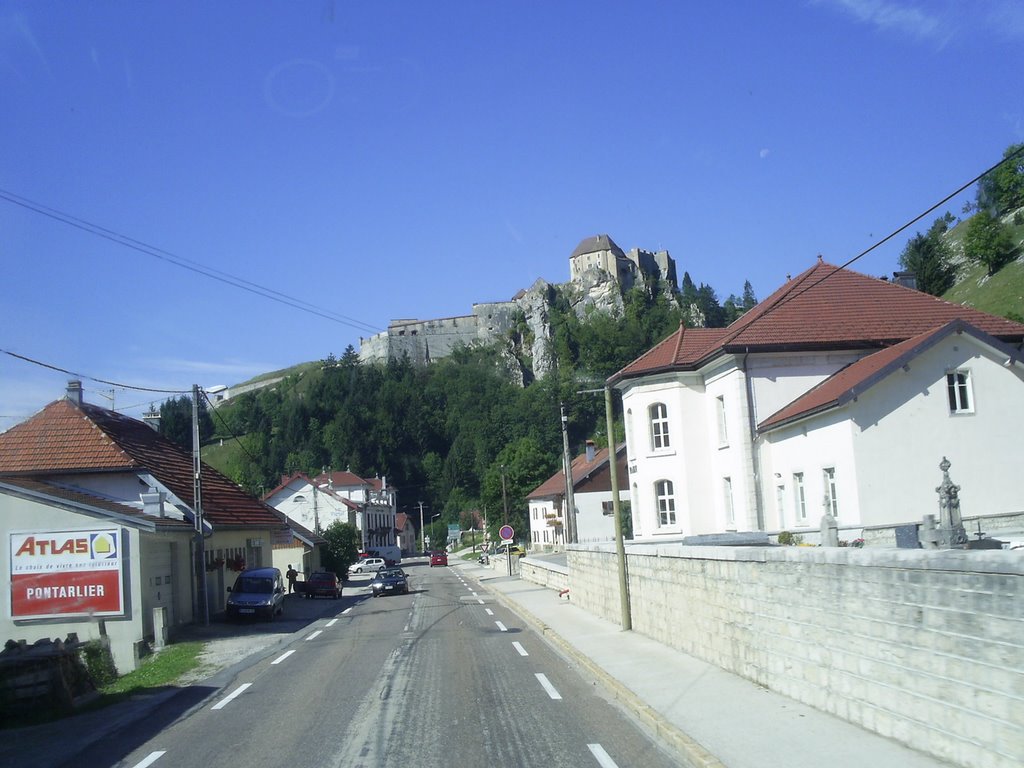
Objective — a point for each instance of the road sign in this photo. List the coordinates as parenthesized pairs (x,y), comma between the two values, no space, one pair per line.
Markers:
(507,533)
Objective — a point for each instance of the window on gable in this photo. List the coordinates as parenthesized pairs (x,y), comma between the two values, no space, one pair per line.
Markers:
(958,388)
(799,497)
(723,432)
(665,496)
(831,503)
(659,426)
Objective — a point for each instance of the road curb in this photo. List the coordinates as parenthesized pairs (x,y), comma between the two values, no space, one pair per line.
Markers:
(692,752)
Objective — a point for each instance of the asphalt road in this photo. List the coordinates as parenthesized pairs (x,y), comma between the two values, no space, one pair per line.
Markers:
(441,676)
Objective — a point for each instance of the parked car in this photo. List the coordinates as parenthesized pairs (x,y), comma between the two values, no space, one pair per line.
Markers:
(438,558)
(390,581)
(368,564)
(323,584)
(511,549)
(257,592)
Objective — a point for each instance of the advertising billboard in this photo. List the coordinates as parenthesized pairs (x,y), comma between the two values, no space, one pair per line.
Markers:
(59,574)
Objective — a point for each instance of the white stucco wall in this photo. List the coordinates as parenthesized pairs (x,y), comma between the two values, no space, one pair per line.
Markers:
(687,462)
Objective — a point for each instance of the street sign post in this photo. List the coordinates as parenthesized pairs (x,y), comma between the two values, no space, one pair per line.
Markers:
(507,533)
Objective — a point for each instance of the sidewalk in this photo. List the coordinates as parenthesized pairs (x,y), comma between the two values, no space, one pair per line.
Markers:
(705,715)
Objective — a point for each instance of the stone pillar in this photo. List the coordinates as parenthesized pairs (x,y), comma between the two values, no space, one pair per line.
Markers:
(829,531)
(951,533)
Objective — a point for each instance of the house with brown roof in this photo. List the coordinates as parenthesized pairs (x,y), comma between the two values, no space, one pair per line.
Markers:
(839,393)
(339,496)
(592,498)
(72,452)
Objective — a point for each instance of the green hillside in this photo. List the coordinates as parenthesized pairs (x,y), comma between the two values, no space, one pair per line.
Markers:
(999,294)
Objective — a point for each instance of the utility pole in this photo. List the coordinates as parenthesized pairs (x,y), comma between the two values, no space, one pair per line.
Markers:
(570,501)
(504,498)
(197,507)
(620,547)
(423,547)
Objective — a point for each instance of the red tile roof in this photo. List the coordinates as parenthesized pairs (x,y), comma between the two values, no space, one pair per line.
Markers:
(78,499)
(826,307)
(851,381)
(65,438)
(581,470)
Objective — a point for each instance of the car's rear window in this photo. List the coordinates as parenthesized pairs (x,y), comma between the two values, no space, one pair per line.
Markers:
(254,586)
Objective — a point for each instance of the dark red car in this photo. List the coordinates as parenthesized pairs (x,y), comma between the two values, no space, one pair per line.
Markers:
(438,558)
(323,584)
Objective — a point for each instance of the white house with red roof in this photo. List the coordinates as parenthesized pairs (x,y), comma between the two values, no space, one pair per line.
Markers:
(592,497)
(342,496)
(839,393)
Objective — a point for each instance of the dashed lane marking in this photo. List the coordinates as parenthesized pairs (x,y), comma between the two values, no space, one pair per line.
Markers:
(331,623)
(237,692)
(151,758)
(546,684)
(603,758)
(518,646)
(315,634)
(501,626)
(282,657)
(489,611)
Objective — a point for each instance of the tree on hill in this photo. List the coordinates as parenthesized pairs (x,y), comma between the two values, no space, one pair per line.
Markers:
(176,421)
(929,257)
(988,241)
(1002,190)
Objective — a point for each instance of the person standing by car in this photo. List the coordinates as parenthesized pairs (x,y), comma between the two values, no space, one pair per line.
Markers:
(292,574)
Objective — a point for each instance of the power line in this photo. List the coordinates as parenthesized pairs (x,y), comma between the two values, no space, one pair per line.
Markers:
(179,261)
(225,425)
(866,251)
(77,375)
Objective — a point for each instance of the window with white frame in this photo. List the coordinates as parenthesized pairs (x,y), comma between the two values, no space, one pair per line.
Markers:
(780,504)
(730,511)
(958,388)
(799,497)
(831,503)
(659,426)
(665,496)
(723,431)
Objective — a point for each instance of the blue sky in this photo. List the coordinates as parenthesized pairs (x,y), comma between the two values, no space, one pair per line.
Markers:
(407,159)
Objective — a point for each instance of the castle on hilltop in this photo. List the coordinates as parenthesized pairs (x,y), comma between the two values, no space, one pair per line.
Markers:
(599,273)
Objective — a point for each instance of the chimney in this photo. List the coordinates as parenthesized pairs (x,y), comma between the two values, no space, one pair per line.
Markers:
(153,503)
(590,451)
(75,391)
(152,418)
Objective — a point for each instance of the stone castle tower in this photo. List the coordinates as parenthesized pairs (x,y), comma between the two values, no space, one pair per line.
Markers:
(599,273)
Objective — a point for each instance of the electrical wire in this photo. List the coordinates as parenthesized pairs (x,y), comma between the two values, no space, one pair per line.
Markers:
(224,424)
(184,263)
(866,251)
(93,378)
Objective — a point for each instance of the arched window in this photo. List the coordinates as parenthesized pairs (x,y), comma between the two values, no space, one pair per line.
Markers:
(664,494)
(659,426)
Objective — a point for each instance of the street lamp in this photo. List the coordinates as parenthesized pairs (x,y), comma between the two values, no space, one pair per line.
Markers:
(428,538)
(423,547)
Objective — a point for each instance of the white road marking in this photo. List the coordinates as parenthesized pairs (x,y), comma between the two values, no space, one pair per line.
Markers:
(603,758)
(282,657)
(501,626)
(489,611)
(151,758)
(331,623)
(480,601)
(314,634)
(238,691)
(548,686)
(347,610)
(519,647)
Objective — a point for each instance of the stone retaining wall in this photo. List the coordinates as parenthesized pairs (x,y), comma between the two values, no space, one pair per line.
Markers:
(924,647)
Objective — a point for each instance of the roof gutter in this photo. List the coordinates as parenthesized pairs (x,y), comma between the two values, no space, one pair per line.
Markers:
(755,449)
